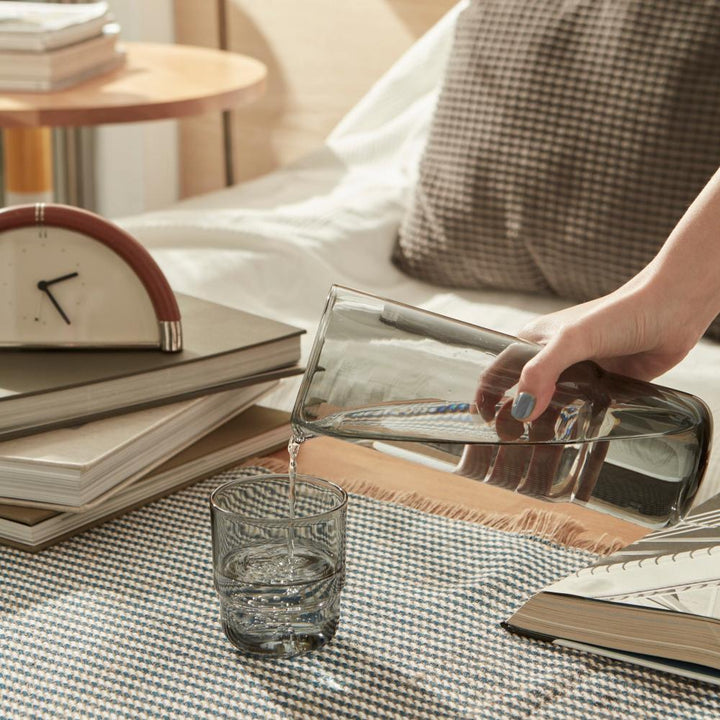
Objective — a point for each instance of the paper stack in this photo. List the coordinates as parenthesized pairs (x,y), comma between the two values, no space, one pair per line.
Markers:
(50,46)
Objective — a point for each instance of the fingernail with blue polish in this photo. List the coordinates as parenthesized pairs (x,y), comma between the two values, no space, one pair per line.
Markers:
(522,407)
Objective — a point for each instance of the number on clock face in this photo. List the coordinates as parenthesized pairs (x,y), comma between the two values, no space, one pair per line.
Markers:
(62,287)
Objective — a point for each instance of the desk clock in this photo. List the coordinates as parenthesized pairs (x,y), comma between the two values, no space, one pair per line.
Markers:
(70,279)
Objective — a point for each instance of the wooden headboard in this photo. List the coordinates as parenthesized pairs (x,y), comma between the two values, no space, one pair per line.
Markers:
(322,56)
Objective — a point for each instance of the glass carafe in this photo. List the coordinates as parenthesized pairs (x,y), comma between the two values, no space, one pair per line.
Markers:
(398,377)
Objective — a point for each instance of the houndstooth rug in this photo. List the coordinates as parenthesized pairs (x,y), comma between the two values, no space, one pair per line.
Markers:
(121,622)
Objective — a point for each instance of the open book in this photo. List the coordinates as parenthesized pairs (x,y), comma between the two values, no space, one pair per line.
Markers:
(655,603)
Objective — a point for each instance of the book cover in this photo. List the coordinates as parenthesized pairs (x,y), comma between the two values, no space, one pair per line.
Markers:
(68,468)
(223,348)
(255,431)
(38,26)
(655,603)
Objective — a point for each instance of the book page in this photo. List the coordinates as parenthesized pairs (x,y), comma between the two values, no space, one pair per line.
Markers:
(675,568)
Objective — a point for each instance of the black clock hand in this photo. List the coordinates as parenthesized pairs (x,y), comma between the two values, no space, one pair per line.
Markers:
(58,279)
(42,285)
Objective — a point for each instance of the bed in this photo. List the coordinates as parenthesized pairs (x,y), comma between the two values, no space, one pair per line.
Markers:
(275,245)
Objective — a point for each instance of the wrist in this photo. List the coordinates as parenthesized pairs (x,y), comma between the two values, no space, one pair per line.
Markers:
(685,275)
(677,299)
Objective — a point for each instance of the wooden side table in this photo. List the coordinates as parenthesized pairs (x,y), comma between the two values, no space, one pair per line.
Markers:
(157,82)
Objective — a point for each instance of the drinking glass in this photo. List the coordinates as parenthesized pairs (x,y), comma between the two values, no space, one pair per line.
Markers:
(279,562)
(405,379)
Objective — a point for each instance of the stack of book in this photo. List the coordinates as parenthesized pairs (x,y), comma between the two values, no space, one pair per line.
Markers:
(50,46)
(86,435)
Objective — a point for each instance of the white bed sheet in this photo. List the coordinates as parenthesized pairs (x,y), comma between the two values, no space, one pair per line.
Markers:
(274,246)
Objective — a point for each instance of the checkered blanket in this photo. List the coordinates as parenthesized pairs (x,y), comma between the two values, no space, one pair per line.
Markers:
(122,622)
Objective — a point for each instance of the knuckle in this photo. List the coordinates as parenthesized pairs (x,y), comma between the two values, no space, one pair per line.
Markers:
(533,372)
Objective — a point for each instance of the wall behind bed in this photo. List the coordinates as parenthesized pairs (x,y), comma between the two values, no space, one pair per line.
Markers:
(322,56)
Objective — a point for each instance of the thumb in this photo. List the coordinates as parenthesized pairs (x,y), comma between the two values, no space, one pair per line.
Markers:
(536,384)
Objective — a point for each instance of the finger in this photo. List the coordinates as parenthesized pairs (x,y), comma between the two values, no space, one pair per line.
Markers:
(511,466)
(502,374)
(508,429)
(476,461)
(540,374)
(513,461)
(543,470)
(545,462)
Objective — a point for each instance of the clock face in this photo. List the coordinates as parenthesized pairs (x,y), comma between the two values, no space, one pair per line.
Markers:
(62,287)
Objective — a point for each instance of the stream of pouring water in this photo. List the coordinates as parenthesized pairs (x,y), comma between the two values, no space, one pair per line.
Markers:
(294,444)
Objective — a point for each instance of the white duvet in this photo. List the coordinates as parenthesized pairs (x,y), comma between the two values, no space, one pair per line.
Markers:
(274,246)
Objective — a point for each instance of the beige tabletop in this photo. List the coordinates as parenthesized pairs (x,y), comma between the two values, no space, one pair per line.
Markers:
(158,81)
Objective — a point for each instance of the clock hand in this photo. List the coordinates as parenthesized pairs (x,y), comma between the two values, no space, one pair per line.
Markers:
(59,279)
(42,285)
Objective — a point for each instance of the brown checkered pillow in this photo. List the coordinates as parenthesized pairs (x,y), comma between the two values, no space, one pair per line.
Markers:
(569,138)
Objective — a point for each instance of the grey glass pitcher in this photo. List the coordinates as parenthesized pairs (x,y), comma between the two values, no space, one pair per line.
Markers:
(440,390)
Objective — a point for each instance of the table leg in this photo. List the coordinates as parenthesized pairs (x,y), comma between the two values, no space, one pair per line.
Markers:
(28,165)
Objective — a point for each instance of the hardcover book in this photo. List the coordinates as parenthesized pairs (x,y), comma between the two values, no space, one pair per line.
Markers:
(255,431)
(67,468)
(655,603)
(40,26)
(63,67)
(24,84)
(222,348)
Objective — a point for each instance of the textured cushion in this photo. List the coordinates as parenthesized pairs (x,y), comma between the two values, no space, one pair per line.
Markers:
(569,138)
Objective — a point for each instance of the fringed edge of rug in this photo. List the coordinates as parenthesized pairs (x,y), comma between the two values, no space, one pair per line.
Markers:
(546,524)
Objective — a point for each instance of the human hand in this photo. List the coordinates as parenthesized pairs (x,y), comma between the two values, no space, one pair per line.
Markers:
(630,332)
(538,464)
(640,330)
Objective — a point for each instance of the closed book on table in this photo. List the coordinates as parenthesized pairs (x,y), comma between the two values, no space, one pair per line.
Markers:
(65,66)
(222,348)
(38,26)
(255,431)
(62,61)
(68,468)
(9,83)
(655,603)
